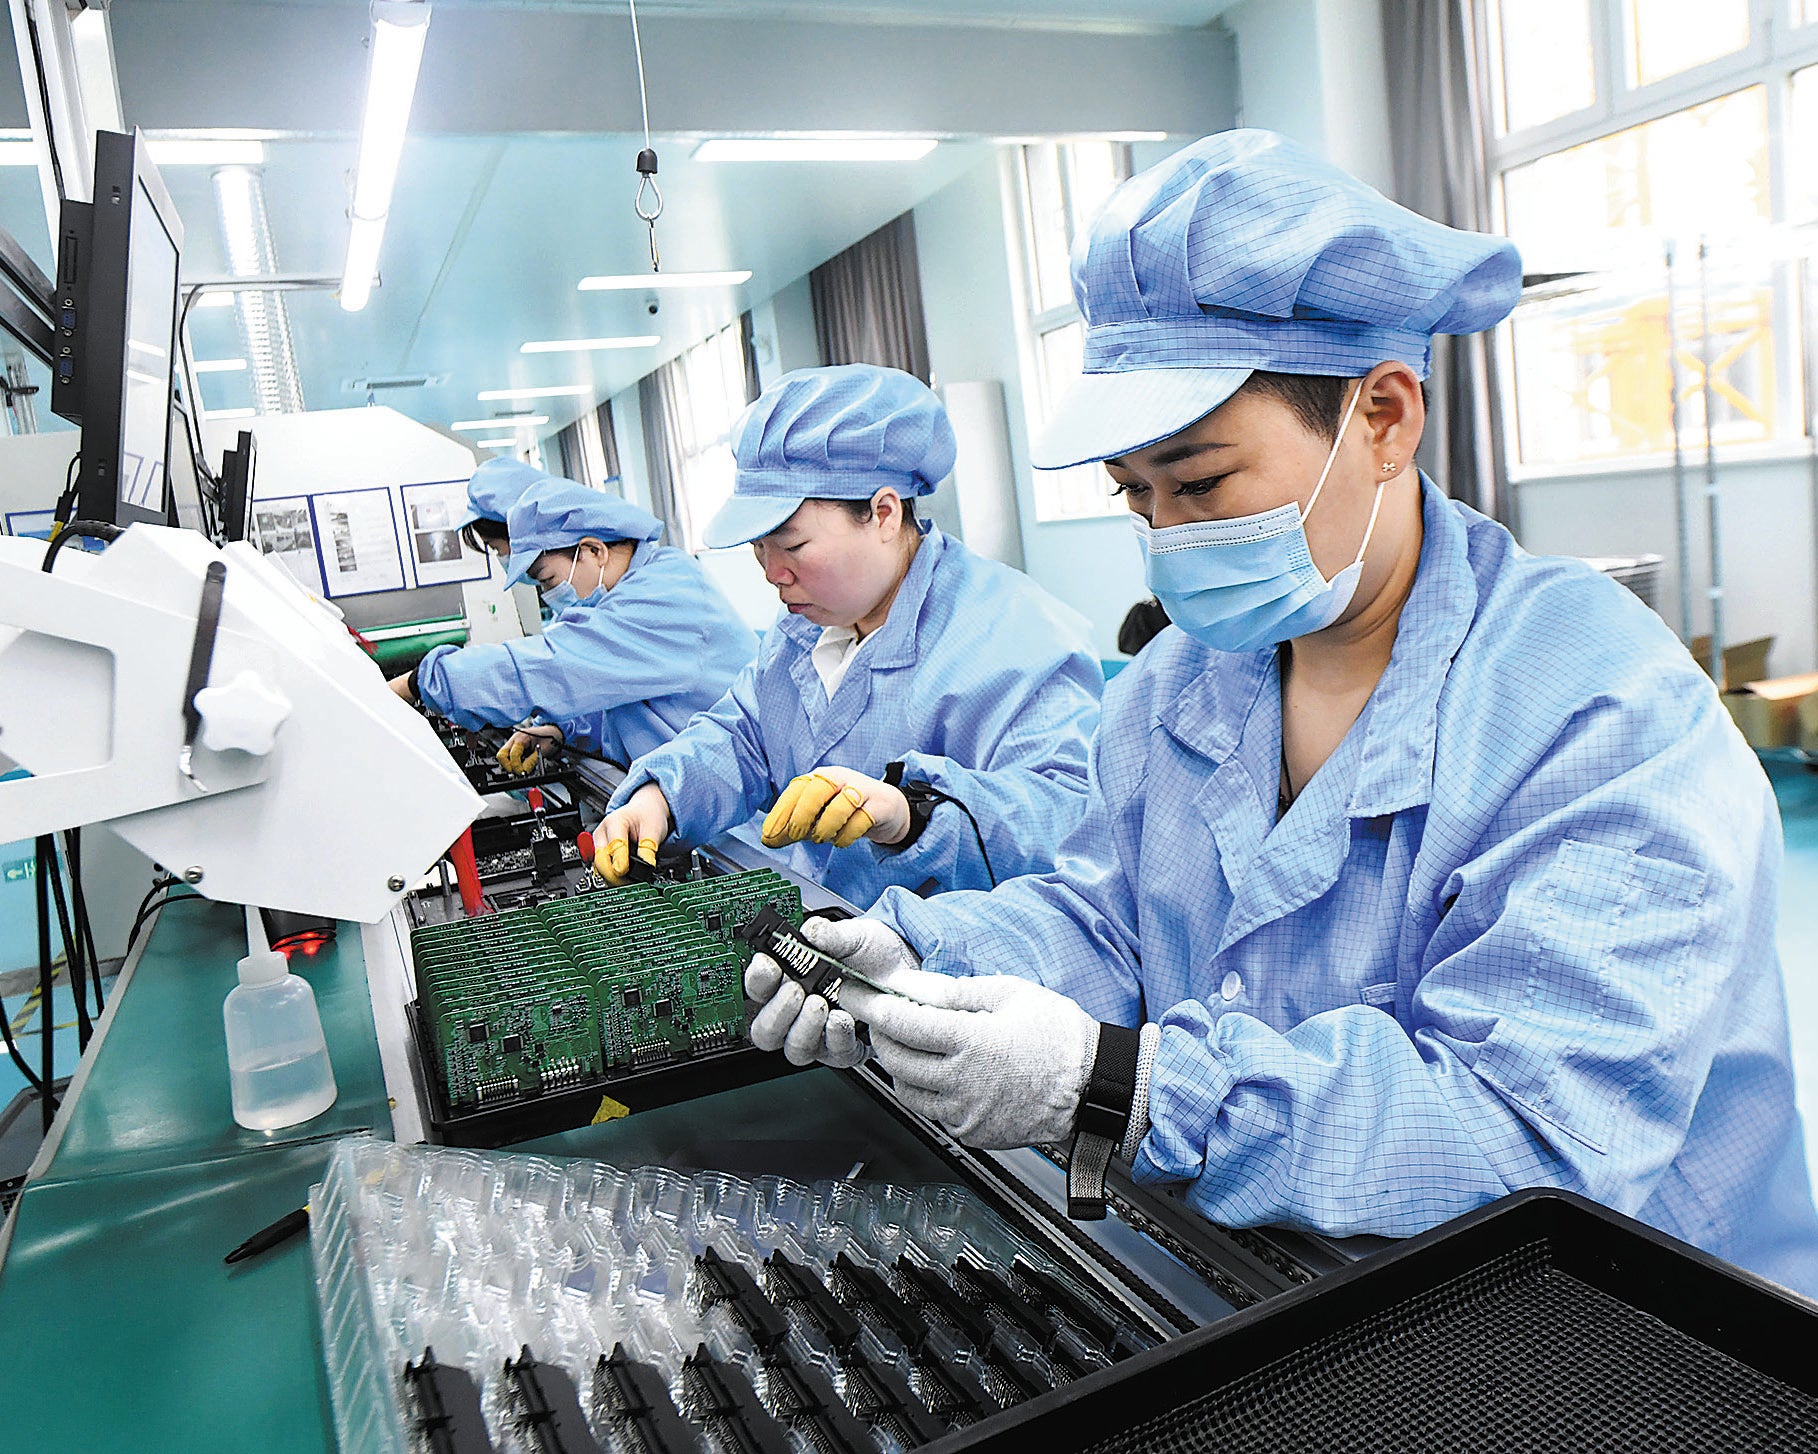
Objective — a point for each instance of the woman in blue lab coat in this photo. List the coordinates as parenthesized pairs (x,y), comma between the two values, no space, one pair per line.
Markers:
(495,487)
(1416,869)
(899,655)
(641,640)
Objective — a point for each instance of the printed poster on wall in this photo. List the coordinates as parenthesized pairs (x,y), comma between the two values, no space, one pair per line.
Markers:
(285,532)
(357,542)
(438,555)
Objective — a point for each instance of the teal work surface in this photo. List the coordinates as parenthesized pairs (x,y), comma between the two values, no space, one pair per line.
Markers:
(126,1331)
(157,1091)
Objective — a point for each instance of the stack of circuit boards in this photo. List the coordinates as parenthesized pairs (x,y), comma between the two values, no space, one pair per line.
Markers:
(586,987)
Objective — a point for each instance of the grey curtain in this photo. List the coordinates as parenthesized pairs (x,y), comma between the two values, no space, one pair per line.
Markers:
(609,442)
(868,302)
(660,408)
(1438,118)
(570,456)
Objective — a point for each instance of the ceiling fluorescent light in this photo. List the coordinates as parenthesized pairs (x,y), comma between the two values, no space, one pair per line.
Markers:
(815,149)
(589,345)
(399,28)
(363,240)
(507,442)
(214,298)
(627,282)
(219,365)
(515,421)
(547,391)
(17,149)
(206,152)
(230,413)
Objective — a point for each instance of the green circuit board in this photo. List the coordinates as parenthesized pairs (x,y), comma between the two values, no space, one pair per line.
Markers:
(602,982)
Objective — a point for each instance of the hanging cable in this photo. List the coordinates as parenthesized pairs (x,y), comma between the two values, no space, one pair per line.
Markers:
(647,158)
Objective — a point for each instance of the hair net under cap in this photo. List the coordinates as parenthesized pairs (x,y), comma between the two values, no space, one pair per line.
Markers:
(496,486)
(557,514)
(840,433)
(1247,251)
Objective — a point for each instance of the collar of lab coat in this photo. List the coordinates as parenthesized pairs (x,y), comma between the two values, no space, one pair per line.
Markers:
(1395,767)
(896,642)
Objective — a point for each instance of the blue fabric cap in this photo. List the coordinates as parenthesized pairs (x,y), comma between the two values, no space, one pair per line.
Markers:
(840,433)
(1247,251)
(557,514)
(496,486)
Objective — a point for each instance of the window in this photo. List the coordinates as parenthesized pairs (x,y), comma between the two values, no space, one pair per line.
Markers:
(712,395)
(1063,186)
(1610,166)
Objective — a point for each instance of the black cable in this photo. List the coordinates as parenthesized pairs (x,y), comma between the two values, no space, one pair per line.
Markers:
(66,502)
(47,1053)
(72,952)
(12,1049)
(72,852)
(152,912)
(939,796)
(93,529)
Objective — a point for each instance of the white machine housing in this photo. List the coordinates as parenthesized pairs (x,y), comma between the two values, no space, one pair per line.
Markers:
(355,797)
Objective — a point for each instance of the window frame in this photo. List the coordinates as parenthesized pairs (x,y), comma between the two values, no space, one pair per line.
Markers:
(1778,46)
(1036,322)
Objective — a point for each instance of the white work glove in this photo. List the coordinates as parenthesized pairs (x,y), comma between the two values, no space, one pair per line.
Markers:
(803,1026)
(839,806)
(998,1060)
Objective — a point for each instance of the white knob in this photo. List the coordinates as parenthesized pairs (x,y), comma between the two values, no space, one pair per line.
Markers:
(242,716)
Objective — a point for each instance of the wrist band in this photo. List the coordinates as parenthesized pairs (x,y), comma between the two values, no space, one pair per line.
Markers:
(1104,1117)
(921,803)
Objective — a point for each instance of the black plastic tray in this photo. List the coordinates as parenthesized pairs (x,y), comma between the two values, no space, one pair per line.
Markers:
(504,1123)
(1542,1322)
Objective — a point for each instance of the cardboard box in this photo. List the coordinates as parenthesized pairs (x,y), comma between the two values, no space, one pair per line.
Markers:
(1808,723)
(1743,661)
(1768,712)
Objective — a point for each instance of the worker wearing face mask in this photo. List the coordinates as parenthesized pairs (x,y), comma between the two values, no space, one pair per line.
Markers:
(1417,869)
(918,715)
(639,642)
(495,487)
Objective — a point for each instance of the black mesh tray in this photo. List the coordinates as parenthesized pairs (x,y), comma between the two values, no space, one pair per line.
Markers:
(1543,1322)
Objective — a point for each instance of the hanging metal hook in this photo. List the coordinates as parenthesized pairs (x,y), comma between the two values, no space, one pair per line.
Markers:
(648,213)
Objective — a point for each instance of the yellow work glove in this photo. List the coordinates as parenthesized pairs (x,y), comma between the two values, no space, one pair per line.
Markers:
(644,820)
(839,806)
(521,750)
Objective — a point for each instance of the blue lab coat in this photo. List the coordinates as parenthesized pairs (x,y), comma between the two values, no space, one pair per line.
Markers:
(1518,930)
(619,674)
(981,682)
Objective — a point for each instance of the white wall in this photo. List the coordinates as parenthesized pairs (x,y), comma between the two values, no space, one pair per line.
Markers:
(970,301)
(1313,70)
(1766,522)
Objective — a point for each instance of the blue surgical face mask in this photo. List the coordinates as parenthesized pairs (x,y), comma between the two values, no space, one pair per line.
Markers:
(562,595)
(1249,582)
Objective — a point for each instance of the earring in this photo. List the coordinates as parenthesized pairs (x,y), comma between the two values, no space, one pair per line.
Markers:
(1387,468)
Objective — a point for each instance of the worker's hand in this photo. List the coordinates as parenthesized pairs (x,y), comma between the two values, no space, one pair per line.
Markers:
(401,685)
(999,1061)
(521,749)
(839,806)
(638,827)
(803,1026)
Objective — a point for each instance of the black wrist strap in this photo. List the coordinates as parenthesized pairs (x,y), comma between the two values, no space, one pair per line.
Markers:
(1104,1118)
(921,803)
(410,685)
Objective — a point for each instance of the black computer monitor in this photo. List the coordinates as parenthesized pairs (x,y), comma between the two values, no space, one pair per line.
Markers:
(117,333)
(237,489)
